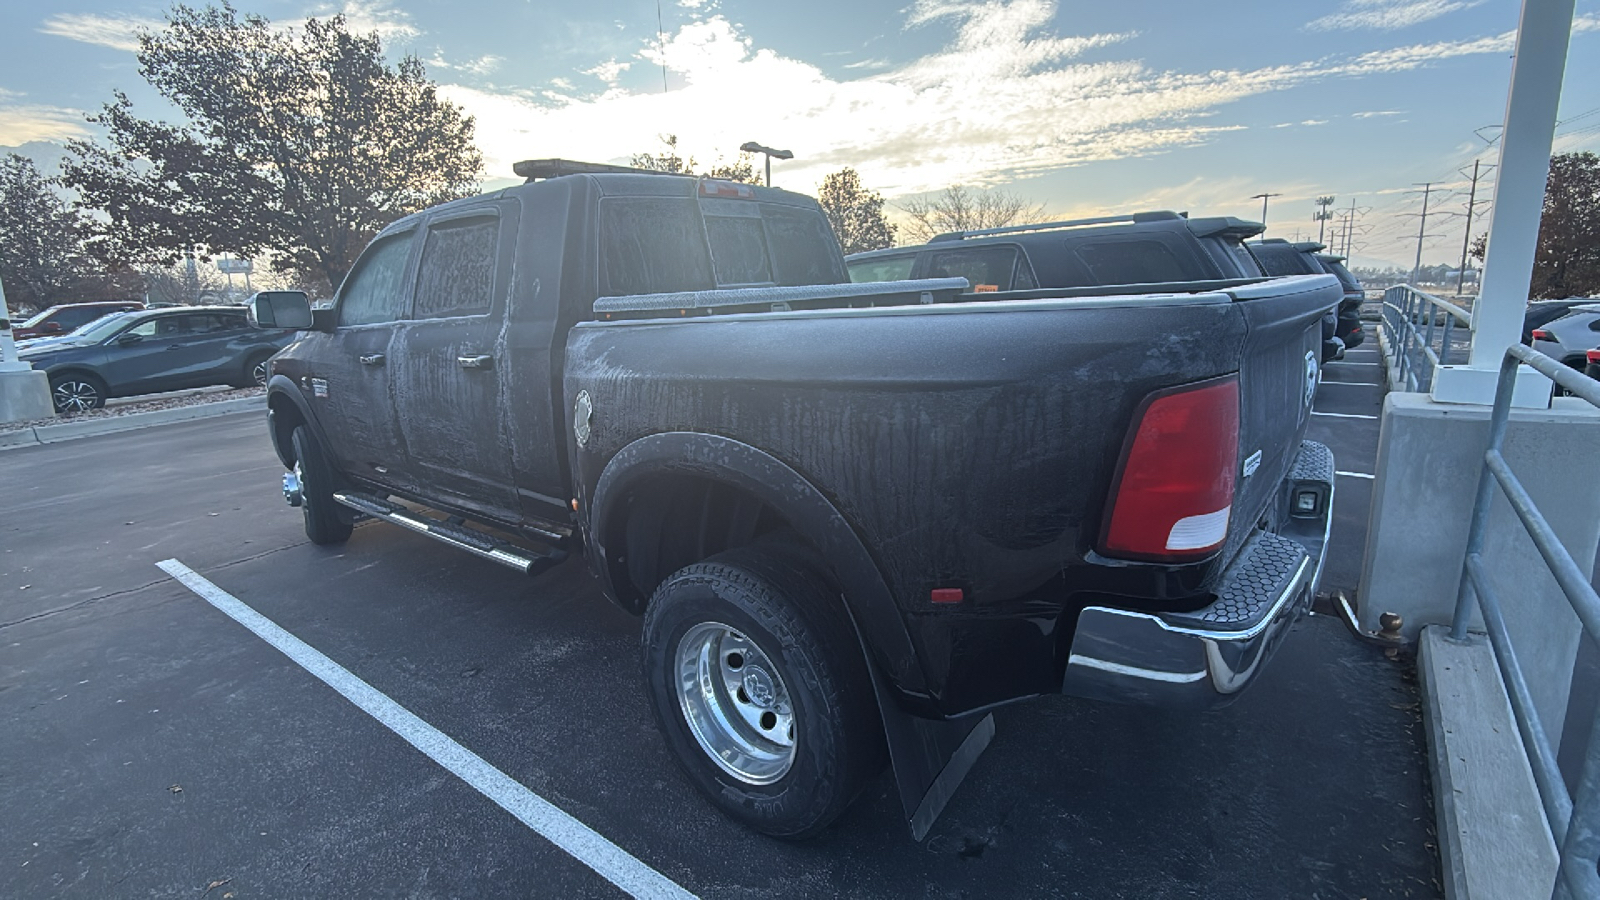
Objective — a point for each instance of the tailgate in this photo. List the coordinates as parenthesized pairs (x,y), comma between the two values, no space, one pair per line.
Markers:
(1279,369)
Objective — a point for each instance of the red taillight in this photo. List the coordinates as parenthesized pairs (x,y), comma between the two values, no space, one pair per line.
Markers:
(1174,492)
(710,187)
(1593,355)
(1539,334)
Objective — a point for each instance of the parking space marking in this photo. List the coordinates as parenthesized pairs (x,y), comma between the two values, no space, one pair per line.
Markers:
(1346,362)
(1342,415)
(1351,384)
(579,840)
(1356,475)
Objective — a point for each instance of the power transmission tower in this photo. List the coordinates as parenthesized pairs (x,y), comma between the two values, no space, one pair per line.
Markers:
(1466,240)
(1322,215)
(1264,198)
(1422,228)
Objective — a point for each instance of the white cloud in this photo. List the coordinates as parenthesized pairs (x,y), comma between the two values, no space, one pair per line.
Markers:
(609,71)
(119,32)
(1387,15)
(483,65)
(1374,113)
(1003,98)
(24,122)
(368,16)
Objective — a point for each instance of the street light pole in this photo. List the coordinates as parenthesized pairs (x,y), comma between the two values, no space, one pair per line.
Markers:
(1264,198)
(769,153)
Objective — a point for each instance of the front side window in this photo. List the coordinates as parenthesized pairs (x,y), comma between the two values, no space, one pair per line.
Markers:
(985,269)
(894,268)
(456,275)
(374,292)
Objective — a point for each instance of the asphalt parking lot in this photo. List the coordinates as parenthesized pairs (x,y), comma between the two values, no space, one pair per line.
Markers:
(156,747)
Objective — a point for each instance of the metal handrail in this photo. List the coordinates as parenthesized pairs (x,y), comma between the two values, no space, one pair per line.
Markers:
(1574,823)
(1403,307)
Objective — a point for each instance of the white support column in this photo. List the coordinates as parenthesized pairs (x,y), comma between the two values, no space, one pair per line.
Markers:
(1536,76)
(24,393)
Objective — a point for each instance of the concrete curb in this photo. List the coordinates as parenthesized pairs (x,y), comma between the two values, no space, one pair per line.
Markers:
(69,431)
(1493,841)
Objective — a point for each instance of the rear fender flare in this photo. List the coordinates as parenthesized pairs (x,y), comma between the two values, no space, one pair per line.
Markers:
(764,476)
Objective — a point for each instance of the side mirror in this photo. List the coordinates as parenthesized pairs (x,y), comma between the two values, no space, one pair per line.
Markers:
(281,309)
(129,337)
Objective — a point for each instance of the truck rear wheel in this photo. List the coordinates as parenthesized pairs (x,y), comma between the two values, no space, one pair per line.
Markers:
(758,684)
(325,524)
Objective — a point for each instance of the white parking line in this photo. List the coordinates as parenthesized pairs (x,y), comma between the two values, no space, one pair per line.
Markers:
(1346,362)
(1341,415)
(579,840)
(1355,475)
(1325,383)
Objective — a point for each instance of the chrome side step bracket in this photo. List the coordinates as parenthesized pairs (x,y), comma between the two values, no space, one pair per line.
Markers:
(462,537)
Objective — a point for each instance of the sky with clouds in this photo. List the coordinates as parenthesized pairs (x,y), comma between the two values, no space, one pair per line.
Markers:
(1086,107)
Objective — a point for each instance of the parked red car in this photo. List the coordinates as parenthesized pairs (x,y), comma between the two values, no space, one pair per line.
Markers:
(69,317)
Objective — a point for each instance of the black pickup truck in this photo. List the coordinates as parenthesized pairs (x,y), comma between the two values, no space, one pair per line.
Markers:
(855,518)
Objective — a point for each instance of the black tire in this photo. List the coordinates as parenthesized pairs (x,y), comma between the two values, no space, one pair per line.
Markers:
(326,523)
(777,602)
(255,371)
(77,392)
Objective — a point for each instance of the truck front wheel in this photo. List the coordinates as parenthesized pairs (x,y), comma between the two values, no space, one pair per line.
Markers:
(325,524)
(759,686)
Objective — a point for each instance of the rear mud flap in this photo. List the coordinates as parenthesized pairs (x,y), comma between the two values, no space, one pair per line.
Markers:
(930,757)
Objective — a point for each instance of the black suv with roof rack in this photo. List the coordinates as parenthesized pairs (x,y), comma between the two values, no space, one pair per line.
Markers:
(1142,248)
(1280,257)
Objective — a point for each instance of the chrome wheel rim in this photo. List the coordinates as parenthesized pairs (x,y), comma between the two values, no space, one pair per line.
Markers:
(76,396)
(258,373)
(735,703)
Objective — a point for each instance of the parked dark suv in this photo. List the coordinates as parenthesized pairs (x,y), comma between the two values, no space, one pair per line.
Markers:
(69,317)
(145,351)
(1159,247)
(1280,257)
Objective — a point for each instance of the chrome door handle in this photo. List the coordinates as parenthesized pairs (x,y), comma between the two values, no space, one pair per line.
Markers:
(476,362)
(373,359)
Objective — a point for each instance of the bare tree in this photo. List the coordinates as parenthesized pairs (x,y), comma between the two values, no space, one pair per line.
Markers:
(960,208)
(742,168)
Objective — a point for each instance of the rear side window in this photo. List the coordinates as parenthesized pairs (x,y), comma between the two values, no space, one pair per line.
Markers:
(652,245)
(374,292)
(896,268)
(1131,262)
(1337,270)
(985,269)
(663,244)
(456,274)
(1285,260)
(1232,258)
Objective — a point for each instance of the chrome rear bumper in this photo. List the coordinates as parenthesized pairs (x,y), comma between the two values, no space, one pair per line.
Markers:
(1203,659)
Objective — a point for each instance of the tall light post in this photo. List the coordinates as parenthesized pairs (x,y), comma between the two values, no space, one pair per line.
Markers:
(1264,198)
(769,153)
